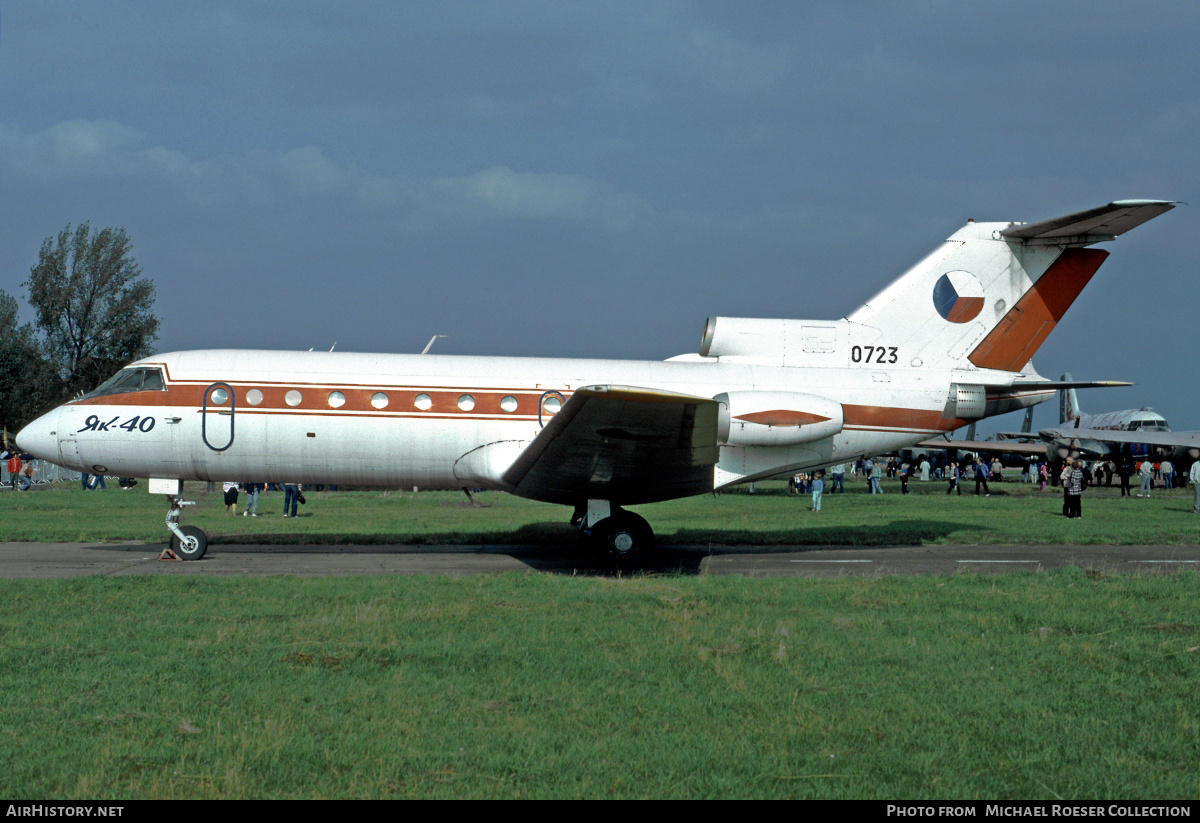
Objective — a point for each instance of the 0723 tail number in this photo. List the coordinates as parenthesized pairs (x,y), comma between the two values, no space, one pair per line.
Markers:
(873,354)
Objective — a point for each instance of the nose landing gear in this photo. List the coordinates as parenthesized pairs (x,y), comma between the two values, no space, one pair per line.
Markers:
(187,542)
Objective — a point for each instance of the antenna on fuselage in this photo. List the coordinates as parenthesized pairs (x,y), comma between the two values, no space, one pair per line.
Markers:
(429,345)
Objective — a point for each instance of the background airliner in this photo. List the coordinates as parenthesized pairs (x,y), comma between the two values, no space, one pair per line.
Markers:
(1136,432)
(947,343)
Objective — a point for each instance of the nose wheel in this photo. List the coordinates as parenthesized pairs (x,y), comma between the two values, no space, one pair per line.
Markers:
(188,542)
(192,546)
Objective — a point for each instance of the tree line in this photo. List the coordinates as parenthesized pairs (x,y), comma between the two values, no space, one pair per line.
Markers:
(92,315)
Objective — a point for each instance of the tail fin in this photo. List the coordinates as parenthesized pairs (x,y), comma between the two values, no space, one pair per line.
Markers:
(1027,423)
(986,298)
(993,292)
(1068,403)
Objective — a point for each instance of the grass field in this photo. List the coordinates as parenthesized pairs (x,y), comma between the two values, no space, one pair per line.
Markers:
(1015,513)
(1064,685)
(1071,685)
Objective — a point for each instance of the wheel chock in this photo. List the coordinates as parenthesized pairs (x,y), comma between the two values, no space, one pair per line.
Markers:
(169,554)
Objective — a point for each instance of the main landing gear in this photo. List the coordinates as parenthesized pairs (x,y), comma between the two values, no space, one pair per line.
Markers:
(621,538)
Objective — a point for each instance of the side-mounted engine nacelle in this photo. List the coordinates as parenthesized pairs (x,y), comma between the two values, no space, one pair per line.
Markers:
(772,418)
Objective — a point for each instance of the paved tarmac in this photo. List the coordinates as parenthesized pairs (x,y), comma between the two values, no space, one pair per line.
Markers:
(83,559)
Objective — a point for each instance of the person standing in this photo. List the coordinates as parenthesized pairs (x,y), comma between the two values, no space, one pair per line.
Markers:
(14,469)
(1147,473)
(818,486)
(981,477)
(1124,471)
(952,474)
(1043,476)
(1194,477)
(251,489)
(231,495)
(291,496)
(876,475)
(838,484)
(1073,491)
(1168,474)
(924,469)
(905,470)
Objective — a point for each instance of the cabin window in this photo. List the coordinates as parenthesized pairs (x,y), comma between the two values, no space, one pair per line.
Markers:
(466,402)
(337,399)
(552,405)
(508,403)
(254,397)
(379,400)
(219,397)
(292,398)
(423,402)
(130,380)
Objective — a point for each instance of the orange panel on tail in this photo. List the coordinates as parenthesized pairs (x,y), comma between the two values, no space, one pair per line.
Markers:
(1019,333)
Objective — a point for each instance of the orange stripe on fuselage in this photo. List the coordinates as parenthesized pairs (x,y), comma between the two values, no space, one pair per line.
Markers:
(889,417)
(1015,339)
(357,399)
(487,405)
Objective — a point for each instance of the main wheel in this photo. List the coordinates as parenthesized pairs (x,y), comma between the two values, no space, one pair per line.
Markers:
(193,546)
(624,539)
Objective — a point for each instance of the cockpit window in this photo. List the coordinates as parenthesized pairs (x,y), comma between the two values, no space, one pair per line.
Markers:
(129,380)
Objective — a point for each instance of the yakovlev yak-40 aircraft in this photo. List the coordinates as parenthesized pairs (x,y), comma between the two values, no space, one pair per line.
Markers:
(947,343)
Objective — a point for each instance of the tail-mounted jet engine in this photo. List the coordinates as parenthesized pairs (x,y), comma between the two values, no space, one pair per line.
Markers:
(769,418)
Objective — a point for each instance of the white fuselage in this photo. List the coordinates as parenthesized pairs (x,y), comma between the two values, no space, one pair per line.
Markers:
(406,420)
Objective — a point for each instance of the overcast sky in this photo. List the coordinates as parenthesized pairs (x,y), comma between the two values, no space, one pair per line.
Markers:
(594,179)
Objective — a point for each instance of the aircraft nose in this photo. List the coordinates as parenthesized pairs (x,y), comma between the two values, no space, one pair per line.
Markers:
(40,438)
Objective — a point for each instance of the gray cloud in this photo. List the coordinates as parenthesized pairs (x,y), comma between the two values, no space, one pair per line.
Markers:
(594,179)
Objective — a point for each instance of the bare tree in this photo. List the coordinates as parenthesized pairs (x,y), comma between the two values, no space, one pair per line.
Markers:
(93,305)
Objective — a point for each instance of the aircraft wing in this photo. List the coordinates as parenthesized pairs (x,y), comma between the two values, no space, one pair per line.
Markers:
(1170,440)
(626,445)
(990,446)
(1092,226)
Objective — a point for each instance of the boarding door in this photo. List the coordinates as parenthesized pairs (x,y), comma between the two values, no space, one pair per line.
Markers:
(216,416)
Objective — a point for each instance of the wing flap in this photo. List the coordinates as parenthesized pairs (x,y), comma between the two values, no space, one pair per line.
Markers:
(623,444)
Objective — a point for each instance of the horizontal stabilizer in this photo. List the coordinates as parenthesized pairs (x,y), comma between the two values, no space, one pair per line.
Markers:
(1054,385)
(1092,226)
